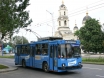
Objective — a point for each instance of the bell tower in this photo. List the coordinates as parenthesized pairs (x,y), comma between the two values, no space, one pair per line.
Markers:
(63,29)
(63,20)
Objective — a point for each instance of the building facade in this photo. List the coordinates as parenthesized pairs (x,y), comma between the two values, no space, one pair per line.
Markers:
(63,29)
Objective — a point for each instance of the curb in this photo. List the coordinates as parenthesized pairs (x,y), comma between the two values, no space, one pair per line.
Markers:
(8,69)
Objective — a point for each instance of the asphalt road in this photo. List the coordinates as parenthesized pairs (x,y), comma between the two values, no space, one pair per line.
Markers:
(88,71)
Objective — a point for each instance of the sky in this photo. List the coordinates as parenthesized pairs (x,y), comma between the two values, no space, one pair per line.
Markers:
(42,20)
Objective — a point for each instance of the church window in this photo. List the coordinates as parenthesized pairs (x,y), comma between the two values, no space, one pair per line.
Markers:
(64,13)
(65,23)
(60,13)
(59,23)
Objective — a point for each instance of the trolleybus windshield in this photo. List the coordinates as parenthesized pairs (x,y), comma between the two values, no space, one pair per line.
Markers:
(67,51)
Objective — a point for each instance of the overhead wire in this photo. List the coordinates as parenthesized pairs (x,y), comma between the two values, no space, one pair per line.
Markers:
(39,24)
(94,7)
(76,9)
(88,5)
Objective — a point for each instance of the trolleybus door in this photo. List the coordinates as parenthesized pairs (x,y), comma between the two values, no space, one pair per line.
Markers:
(53,57)
(17,55)
(32,52)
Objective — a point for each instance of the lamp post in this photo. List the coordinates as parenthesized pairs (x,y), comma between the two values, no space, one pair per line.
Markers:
(52,22)
(22,37)
(2,44)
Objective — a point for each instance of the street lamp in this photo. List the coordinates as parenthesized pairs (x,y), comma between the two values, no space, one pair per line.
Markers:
(102,27)
(0,35)
(2,44)
(52,22)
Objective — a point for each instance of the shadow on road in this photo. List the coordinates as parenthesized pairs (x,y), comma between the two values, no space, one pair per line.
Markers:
(54,73)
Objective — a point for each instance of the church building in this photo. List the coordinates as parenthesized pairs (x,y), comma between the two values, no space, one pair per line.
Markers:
(63,29)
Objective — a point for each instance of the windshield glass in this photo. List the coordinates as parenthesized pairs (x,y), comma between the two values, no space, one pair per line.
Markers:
(76,51)
(66,51)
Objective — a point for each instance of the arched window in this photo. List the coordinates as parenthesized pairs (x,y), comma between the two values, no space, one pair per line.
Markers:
(65,23)
(64,13)
(59,23)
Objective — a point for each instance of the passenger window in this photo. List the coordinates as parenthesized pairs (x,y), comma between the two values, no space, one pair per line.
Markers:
(44,49)
(27,49)
(38,49)
(18,50)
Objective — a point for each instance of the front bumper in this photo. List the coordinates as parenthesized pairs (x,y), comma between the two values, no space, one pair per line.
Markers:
(70,67)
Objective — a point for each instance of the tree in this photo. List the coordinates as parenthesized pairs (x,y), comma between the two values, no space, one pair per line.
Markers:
(19,40)
(91,36)
(77,33)
(13,15)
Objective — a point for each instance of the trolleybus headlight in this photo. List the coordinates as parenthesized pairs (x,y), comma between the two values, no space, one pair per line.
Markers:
(63,65)
(79,63)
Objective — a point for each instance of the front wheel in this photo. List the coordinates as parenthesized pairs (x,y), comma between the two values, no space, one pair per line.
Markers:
(45,67)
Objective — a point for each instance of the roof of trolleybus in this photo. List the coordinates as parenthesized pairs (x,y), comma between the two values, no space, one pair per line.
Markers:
(58,40)
(72,42)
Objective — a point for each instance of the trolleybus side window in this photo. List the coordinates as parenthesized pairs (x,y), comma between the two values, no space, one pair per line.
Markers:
(38,49)
(18,50)
(22,49)
(45,49)
(27,49)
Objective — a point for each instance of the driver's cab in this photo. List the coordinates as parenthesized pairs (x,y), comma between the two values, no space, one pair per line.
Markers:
(68,51)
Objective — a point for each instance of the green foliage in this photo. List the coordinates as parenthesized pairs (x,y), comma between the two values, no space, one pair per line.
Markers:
(16,40)
(91,36)
(8,56)
(99,59)
(77,33)
(19,40)
(13,15)
(3,66)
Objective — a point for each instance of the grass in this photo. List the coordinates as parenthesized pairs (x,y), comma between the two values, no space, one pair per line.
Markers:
(99,60)
(101,63)
(7,57)
(3,66)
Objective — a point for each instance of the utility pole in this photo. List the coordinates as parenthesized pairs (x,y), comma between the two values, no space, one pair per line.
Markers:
(2,43)
(52,22)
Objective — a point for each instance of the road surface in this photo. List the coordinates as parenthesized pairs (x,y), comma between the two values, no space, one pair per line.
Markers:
(88,71)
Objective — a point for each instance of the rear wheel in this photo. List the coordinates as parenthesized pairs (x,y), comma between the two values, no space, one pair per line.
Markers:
(45,67)
(23,63)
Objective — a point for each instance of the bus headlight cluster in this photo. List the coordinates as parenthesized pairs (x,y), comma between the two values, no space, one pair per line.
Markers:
(63,64)
(79,63)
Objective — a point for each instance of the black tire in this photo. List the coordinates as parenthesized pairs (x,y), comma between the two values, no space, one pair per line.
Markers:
(45,67)
(23,63)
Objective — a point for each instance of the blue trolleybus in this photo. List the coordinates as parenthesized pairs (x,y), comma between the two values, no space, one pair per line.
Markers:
(50,54)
